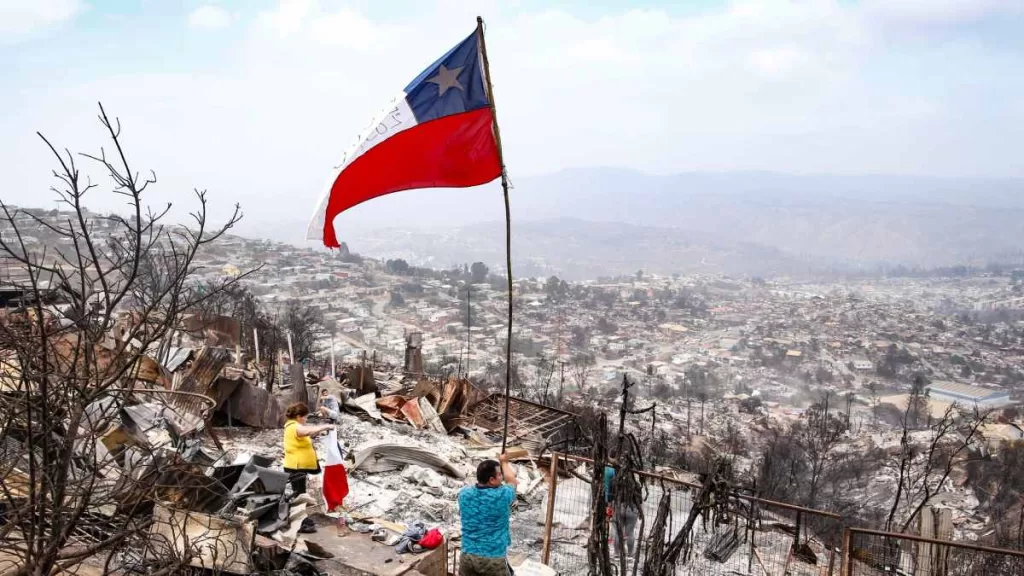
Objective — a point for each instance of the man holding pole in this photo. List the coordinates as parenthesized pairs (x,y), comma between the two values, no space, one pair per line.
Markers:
(485,511)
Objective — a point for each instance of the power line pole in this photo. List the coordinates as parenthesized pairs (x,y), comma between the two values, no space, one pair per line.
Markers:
(561,380)
(469,324)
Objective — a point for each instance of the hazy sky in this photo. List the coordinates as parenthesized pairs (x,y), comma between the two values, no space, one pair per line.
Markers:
(256,100)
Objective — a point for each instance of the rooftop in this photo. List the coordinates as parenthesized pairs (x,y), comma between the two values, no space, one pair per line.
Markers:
(964,390)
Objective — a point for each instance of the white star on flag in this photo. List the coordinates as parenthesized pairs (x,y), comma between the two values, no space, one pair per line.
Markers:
(446,79)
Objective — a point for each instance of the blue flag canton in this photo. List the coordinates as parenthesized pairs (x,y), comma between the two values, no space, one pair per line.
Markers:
(452,85)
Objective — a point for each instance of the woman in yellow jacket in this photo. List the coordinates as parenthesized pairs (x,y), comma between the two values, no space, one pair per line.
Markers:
(299,456)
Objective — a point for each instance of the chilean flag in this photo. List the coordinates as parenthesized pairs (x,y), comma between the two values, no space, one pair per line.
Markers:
(438,133)
(335,482)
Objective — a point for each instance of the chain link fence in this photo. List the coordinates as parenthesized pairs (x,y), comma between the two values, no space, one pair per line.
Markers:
(751,535)
(876,553)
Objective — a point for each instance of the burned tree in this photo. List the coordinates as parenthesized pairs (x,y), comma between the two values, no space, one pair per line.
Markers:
(240,303)
(598,555)
(817,438)
(926,460)
(999,483)
(580,368)
(306,326)
(78,352)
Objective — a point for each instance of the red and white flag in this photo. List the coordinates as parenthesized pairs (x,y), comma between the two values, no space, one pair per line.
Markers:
(335,484)
(437,133)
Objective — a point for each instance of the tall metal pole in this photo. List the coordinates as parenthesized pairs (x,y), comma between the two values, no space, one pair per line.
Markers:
(508,224)
(469,324)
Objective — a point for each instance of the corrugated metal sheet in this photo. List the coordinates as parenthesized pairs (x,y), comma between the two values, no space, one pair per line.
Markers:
(177,357)
(387,457)
(200,379)
(412,413)
(254,406)
(391,407)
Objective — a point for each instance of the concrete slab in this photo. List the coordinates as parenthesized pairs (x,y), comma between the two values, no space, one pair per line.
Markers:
(358,555)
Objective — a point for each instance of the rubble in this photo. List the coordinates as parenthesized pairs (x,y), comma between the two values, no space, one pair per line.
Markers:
(158,451)
(402,474)
(366,404)
(424,477)
(210,542)
(391,457)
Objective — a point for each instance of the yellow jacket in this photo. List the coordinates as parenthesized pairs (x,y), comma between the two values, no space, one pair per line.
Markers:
(298,450)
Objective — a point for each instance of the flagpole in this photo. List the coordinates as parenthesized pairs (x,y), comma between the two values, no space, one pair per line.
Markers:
(508,225)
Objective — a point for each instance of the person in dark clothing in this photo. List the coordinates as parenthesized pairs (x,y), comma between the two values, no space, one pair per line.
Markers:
(623,514)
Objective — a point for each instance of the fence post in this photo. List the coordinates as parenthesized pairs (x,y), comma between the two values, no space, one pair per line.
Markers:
(550,516)
(844,564)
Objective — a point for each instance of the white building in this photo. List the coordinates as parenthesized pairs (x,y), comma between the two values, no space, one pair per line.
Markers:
(967,395)
(862,364)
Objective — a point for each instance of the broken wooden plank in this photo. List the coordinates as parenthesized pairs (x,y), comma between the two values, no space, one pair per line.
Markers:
(925,551)
(533,485)
(516,453)
(943,531)
(427,389)
(392,526)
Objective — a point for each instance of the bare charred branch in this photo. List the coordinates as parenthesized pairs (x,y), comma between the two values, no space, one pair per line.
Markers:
(73,357)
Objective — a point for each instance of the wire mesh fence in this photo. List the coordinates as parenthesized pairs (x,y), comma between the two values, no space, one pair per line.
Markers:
(454,552)
(748,536)
(875,553)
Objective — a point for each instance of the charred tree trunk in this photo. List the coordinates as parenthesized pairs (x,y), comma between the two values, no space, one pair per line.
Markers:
(597,547)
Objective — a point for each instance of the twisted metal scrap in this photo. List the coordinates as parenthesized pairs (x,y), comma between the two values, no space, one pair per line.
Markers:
(711,501)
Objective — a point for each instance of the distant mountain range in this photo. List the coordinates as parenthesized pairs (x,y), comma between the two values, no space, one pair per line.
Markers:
(739,223)
(580,250)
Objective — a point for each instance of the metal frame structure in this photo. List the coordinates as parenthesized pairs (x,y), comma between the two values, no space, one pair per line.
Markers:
(847,567)
(526,419)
